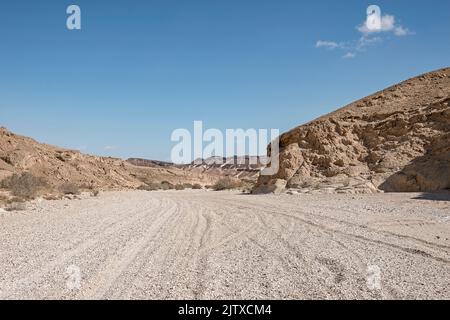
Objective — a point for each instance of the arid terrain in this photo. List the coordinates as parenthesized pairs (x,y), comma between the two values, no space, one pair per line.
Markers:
(227,245)
(76,226)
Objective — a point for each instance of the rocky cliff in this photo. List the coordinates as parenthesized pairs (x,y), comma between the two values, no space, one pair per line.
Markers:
(397,140)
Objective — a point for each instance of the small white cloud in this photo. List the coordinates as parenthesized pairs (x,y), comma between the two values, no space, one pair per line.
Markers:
(109,148)
(326,44)
(372,34)
(388,24)
(365,42)
(349,55)
(401,32)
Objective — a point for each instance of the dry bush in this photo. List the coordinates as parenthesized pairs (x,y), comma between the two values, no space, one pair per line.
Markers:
(196,186)
(69,188)
(95,193)
(150,187)
(25,185)
(226,184)
(165,185)
(179,187)
(187,185)
(247,186)
(52,197)
(3,199)
(16,206)
(88,187)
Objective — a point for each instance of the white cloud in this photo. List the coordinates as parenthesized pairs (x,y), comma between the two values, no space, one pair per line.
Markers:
(400,31)
(365,42)
(326,44)
(370,36)
(388,24)
(109,148)
(351,47)
(349,55)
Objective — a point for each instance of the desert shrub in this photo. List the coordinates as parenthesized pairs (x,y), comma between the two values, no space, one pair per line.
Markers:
(95,193)
(150,187)
(52,197)
(247,186)
(179,187)
(69,188)
(3,200)
(187,186)
(24,186)
(226,184)
(165,185)
(196,186)
(16,206)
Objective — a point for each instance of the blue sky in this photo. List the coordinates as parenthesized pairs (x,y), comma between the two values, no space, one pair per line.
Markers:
(137,70)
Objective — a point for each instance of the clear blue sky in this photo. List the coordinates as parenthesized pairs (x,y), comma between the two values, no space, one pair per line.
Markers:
(140,69)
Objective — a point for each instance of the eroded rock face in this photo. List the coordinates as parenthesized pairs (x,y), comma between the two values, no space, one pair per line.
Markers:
(395,140)
(275,186)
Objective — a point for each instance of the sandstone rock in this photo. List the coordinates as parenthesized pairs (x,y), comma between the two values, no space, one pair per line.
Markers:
(275,186)
(395,140)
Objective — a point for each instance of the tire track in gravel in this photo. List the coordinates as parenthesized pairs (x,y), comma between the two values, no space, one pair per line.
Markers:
(200,245)
(360,237)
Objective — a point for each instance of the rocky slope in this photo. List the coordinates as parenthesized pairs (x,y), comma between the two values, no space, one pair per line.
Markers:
(397,140)
(242,167)
(57,165)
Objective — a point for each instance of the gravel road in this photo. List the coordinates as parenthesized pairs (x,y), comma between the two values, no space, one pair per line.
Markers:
(225,245)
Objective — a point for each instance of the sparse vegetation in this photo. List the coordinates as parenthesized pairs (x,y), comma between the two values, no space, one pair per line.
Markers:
(3,200)
(226,184)
(16,206)
(24,186)
(165,185)
(69,188)
(52,197)
(150,187)
(95,193)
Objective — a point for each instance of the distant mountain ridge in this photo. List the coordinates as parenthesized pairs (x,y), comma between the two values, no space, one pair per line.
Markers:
(243,167)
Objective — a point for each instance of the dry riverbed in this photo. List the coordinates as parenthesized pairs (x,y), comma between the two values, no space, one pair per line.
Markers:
(202,245)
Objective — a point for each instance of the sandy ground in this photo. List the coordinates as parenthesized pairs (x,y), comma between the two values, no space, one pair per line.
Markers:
(202,245)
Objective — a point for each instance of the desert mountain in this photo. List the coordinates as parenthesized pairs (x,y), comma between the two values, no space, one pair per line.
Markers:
(396,140)
(57,165)
(239,167)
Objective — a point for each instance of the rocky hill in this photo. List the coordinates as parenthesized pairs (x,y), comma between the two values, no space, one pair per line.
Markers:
(57,166)
(396,140)
(242,167)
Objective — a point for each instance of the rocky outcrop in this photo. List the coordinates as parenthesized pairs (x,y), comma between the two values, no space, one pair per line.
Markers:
(57,165)
(395,140)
